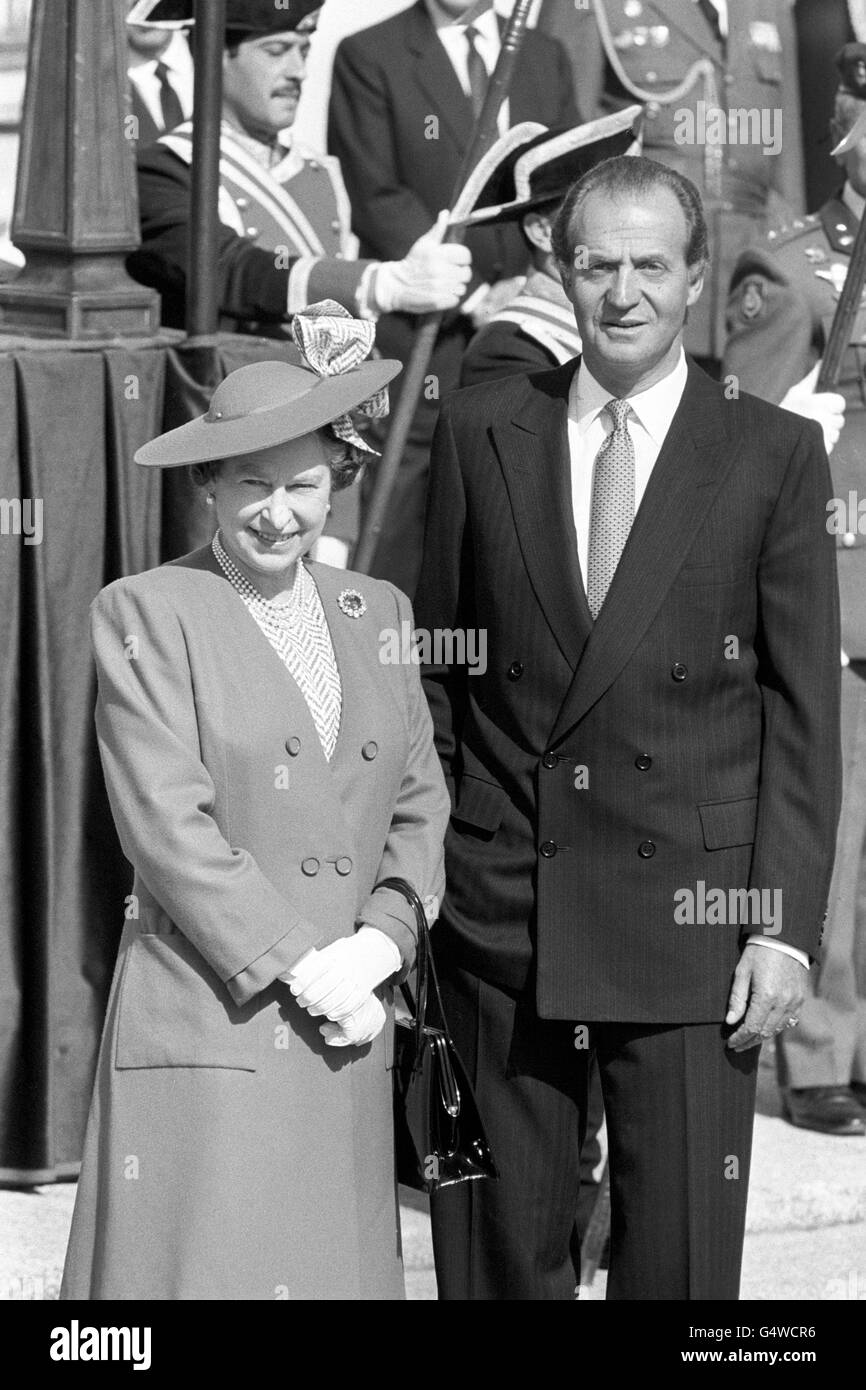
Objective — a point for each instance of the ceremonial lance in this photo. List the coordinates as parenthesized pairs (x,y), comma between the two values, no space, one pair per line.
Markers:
(839,337)
(486,130)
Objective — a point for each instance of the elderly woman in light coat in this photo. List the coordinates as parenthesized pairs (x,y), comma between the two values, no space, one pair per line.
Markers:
(266,770)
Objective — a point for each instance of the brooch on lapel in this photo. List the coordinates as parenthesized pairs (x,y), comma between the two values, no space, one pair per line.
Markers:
(353,604)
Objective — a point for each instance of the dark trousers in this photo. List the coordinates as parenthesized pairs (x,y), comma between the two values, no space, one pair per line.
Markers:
(679,1110)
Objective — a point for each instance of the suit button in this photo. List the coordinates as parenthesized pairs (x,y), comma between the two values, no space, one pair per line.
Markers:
(549,760)
(547,850)
(643,762)
(679,671)
(369,751)
(515,670)
(343,865)
(310,867)
(293,746)
(646,849)
(849,539)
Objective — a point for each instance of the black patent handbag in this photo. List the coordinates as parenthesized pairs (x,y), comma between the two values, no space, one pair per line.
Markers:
(439,1136)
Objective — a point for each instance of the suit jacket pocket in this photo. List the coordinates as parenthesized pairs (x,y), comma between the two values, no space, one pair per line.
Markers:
(480,804)
(729,823)
(174,1011)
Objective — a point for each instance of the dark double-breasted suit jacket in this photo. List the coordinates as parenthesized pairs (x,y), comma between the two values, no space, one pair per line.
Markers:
(688,737)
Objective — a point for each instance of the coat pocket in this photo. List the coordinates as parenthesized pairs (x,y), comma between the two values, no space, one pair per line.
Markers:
(174,1011)
(729,823)
(480,804)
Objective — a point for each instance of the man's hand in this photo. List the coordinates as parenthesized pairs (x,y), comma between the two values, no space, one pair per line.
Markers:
(827,407)
(431,277)
(769,988)
(495,299)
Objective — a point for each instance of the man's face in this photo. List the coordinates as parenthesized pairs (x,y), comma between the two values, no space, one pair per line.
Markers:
(144,42)
(630,286)
(262,82)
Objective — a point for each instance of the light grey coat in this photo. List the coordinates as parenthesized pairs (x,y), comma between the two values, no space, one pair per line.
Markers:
(229,1153)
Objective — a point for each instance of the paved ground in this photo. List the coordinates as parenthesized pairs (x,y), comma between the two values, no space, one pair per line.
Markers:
(806,1235)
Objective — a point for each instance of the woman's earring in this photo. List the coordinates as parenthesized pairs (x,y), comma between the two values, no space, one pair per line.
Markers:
(210,498)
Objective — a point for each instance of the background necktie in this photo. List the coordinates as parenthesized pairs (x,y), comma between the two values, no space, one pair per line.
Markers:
(477,72)
(612,509)
(172,111)
(713,17)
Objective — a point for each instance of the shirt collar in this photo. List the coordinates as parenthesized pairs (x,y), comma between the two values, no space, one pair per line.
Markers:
(853,200)
(487,23)
(264,152)
(653,408)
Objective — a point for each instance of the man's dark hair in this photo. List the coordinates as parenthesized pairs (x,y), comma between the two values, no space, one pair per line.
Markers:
(634,176)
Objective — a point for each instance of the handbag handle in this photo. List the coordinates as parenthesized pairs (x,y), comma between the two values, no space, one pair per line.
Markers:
(426,963)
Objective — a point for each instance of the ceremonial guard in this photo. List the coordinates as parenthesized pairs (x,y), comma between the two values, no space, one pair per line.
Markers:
(783,300)
(285,236)
(718,79)
(537,328)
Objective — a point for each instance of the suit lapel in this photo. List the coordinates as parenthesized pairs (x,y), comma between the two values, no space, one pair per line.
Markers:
(533,453)
(360,693)
(691,467)
(434,73)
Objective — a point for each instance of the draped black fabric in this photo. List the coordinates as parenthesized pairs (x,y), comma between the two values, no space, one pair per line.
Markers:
(72,419)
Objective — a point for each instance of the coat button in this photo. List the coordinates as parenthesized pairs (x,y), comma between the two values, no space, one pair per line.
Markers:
(313,164)
(549,760)
(242,202)
(646,849)
(679,671)
(310,867)
(343,865)
(336,225)
(515,670)
(252,233)
(293,746)
(643,762)
(547,849)
(849,539)
(369,751)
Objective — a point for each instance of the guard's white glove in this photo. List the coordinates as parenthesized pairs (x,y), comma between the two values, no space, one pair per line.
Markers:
(827,407)
(361,1027)
(429,278)
(337,980)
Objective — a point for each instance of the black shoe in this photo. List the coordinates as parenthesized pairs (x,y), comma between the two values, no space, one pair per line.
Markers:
(827,1109)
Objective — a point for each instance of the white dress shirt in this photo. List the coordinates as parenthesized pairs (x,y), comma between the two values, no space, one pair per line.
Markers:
(452,36)
(178,59)
(653,411)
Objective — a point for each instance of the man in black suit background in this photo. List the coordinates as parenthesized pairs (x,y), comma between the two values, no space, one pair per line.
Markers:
(645,780)
(160,78)
(404,100)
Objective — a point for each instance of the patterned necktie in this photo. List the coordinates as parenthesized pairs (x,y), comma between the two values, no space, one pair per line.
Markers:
(172,111)
(612,510)
(477,72)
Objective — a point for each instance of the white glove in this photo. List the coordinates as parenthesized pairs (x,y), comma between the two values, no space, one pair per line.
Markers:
(827,407)
(361,1027)
(430,277)
(337,980)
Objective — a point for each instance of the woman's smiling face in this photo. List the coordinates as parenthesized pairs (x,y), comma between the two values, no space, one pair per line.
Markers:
(271,507)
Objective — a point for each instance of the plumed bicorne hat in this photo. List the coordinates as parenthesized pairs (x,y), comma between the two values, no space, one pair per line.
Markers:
(531,165)
(252,17)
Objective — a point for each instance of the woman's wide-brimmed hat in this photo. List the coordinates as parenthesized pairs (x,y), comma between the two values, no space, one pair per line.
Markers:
(268,403)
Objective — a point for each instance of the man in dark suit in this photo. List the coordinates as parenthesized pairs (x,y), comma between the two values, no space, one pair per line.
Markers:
(646,778)
(404,100)
(160,78)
